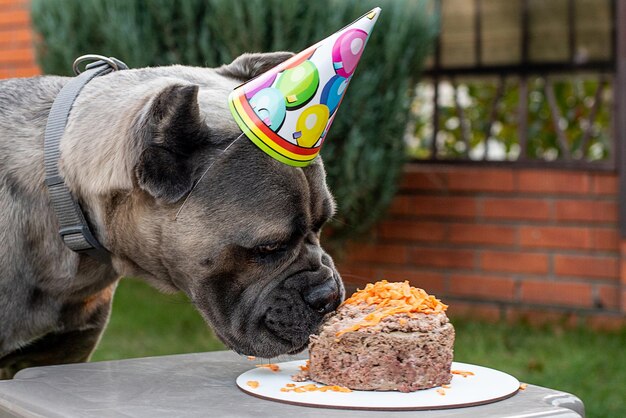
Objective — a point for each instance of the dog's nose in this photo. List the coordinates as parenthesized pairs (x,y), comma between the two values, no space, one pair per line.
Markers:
(324,297)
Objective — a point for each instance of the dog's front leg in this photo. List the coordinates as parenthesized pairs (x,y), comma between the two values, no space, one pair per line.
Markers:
(83,324)
(55,348)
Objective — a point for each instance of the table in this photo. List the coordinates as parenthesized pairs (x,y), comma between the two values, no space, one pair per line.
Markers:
(203,385)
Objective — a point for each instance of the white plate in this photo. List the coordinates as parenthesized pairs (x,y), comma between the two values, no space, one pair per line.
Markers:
(485,386)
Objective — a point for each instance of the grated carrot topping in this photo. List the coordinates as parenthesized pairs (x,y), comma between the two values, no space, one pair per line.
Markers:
(391,299)
(253,384)
(441,392)
(312,387)
(445,386)
(251,358)
(462,373)
(272,367)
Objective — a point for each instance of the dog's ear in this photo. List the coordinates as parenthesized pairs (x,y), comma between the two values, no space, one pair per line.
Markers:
(172,131)
(247,66)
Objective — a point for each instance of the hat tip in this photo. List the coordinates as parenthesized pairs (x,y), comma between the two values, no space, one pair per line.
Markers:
(373,14)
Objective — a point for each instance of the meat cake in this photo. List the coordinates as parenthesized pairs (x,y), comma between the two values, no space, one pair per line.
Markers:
(388,336)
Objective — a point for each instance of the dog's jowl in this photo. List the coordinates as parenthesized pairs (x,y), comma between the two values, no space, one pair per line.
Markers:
(245,248)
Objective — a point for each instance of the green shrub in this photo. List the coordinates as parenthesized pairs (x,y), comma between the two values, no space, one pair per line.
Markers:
(365,151)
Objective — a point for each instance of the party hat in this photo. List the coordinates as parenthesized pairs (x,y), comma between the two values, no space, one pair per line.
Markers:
(287,111)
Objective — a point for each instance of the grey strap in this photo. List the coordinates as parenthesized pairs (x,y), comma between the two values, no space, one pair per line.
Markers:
(74,229)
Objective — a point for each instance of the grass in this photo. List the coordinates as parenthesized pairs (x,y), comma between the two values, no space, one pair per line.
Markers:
(591,365)
(147,323)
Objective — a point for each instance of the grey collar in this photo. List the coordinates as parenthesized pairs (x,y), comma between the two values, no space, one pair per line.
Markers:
(73,226)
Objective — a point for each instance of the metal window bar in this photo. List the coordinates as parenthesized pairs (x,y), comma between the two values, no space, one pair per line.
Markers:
(523,71)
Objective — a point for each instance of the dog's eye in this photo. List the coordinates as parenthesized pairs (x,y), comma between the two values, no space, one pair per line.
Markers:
(268,249)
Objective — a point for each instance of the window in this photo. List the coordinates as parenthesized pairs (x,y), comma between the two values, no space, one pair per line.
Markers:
(524,81)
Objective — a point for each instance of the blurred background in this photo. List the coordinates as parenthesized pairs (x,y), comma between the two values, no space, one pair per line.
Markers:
(478,154)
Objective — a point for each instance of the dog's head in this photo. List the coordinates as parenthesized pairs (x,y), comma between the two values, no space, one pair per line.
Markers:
(245,247)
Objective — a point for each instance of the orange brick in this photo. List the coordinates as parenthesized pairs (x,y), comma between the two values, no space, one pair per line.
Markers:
(605,184)
(393,254)
(606,239)
(453,207)
(17,55)
(14,17)
(555,237)
(20,71)
(585,210)
(6,72)
(14,3)
(400,205)
(500,288)
(414,231)
(20,36)
(608,296)
(514,262)
(623,265)
(442,257)
(587,266)
(557,293)
(553,182)
(423,180)
(485,312)
(482,234)
(26,71)
(482,179)
(433,283)
(523,209)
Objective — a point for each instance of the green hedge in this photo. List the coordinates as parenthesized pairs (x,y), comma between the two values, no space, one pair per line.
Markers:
(365,150)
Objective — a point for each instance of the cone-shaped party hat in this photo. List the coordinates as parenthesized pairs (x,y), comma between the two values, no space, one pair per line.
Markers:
(287,111)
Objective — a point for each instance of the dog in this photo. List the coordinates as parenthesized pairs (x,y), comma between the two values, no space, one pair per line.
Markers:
(245,248)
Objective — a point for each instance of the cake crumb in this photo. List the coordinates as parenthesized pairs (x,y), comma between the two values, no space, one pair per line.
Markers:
(441,392)
(523,386)
(272,367)
(462,373)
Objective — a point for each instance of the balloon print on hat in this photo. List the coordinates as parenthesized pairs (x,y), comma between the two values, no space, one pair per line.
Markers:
(299,84)
(333,92)
(347,51)
(269,105)
(311,125)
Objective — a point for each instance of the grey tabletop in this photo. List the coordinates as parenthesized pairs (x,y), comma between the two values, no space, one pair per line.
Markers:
(203,385)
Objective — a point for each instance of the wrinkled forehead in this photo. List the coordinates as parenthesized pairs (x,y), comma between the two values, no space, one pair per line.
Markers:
(253,198)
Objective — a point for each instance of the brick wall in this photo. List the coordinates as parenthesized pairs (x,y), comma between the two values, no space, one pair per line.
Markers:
(503,242)
(17,58)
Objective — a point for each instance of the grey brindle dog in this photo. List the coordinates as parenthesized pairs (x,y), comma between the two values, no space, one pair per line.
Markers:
(245,248)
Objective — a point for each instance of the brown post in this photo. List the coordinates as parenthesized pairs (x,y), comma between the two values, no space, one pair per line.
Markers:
(620,134)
